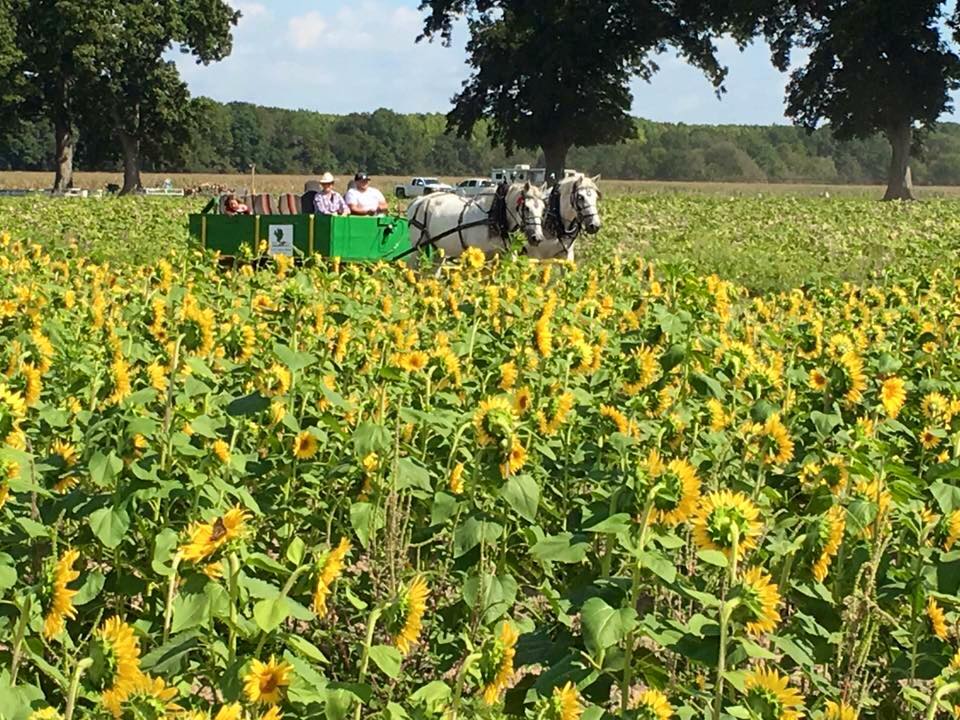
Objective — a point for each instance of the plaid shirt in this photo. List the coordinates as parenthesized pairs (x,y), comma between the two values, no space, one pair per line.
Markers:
(330,203)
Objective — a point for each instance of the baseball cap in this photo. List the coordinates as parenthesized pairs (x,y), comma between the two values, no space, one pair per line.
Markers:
(360,176)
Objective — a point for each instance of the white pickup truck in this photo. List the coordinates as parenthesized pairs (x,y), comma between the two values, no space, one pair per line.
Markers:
(421,186)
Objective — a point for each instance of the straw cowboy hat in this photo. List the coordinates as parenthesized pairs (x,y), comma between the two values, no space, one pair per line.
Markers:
(326,178)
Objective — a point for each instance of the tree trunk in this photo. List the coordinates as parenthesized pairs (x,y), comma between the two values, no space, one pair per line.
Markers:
(63,133)
(899,181)
(131,163)
(555,158)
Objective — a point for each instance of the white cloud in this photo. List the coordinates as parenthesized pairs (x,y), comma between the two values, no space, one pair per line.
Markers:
(306,31)
(250,10)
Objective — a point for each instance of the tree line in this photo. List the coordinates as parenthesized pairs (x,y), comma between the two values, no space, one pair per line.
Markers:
(546,76)
(232,137)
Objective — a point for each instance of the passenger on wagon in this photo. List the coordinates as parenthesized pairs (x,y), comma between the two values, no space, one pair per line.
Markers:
(363,199)
(232,206)
(328,201)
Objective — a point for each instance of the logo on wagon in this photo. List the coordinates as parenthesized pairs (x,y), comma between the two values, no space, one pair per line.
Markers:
(281,239)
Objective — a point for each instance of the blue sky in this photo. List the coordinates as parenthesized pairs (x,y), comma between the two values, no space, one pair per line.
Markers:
(338,57)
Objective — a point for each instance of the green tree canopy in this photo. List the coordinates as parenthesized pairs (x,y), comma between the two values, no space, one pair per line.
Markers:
(555,73)
(872,66)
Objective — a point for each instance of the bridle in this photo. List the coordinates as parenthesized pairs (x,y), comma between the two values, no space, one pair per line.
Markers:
(582,211)
(527,220)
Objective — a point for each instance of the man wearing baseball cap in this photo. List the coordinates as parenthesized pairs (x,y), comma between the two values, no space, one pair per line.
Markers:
(363,199)
(328,201)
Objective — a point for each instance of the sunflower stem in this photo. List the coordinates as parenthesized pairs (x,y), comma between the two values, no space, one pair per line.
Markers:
(937,697)
(365,658)
(634,598)
(171,591)
(461,678)
(234,572)
(288,586)
(18,639)
(726,608)
(75,686)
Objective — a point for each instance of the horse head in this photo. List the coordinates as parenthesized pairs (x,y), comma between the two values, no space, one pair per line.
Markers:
(525,210)
(585,197)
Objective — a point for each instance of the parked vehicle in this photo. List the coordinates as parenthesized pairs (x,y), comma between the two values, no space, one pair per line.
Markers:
(524,173)
(421,186)
(472,187)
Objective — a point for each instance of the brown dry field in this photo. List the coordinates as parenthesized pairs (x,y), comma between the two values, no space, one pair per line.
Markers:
(294,183)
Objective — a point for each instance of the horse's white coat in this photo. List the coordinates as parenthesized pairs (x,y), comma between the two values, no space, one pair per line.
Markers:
(579,197)
(442,211)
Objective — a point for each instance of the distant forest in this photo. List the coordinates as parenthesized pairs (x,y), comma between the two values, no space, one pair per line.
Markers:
(231,137)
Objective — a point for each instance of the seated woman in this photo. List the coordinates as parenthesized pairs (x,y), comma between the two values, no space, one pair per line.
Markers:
(232,206)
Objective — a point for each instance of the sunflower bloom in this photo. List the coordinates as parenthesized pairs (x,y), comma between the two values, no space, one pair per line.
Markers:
(831,535)
(305,445)
(938,621)
(493,420)
(759,602)
(498,664)
(653,705)
(551,420)
(413,604)
(565,703)
(719,513)
(777,433)
(508,375)
(893,395)
(233,711)
(264,682)
(677,494)
(767,689)
(514,460)
(620,421)
(456,479)
(856,380)
(207,538)
(122,651)
(331,570)
(61,596)
(953,530)
(838,711)
(719,418)
(47,713)
(222,450)
(154,693)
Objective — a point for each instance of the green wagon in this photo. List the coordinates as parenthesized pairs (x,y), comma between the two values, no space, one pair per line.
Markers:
(351,238)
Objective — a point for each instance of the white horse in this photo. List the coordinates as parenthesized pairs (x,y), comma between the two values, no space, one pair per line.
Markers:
(572,206)
(453,223)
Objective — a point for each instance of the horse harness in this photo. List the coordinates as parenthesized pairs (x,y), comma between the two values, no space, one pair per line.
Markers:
(554,218)
(496,219)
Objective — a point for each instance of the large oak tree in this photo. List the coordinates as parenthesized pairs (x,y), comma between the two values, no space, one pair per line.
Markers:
(556,73)
(871,66)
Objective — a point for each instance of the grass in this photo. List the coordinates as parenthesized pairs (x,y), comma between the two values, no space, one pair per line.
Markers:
(294,183)
(764,243)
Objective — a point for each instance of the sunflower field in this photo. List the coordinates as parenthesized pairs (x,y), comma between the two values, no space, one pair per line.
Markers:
(511,490)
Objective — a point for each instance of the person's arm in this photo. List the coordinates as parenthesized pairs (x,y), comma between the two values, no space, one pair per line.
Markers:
(353,204)
(342,208)
(381,203)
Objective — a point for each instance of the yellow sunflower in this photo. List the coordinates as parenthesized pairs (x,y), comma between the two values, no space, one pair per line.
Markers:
(953,530)
(233,711)
(551,420)
(60,604)
(719,418)
(47,713)
(856,380)
(838,711)
(759,602)
(769,695)
(331,570)
(620,421)
(271,713)
(264,682)
(718,514)
(831,535)
(522,401)
(938,621)
(207,538)
(456,479)
(776,432)
(508,375)
(818,380)
(893,395)
(515,459)
(493,420)
(565,703)
(653,705)
(411,606)
(305,445)
(497,664)
(222,450)
(677,492)
(151,697)
(120,651)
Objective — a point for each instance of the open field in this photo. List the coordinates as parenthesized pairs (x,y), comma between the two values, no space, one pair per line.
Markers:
(724,484)
(294,183)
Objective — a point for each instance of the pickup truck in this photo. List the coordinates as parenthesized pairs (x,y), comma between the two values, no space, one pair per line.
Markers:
(421,186)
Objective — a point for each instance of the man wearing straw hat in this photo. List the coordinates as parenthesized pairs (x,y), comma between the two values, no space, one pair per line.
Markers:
(328,201)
